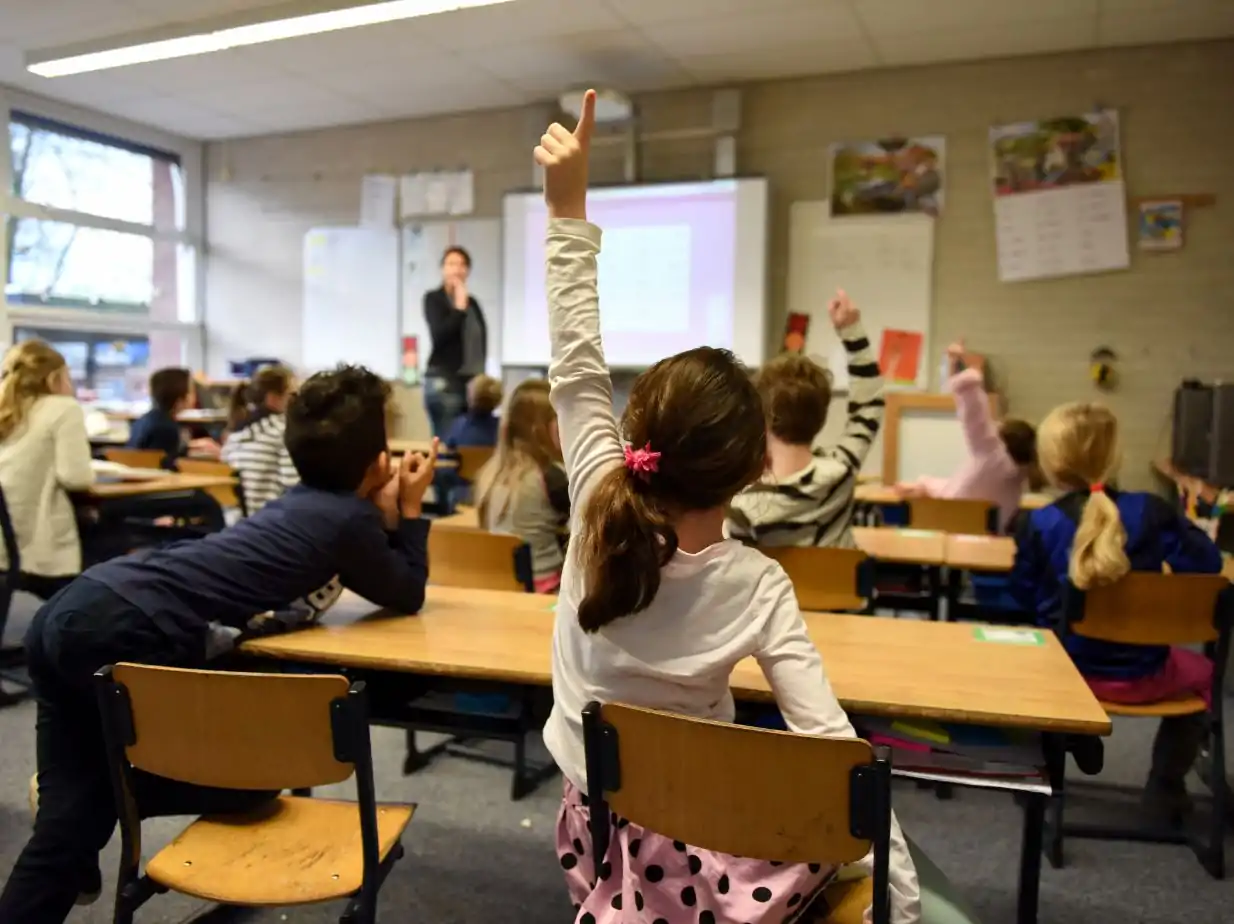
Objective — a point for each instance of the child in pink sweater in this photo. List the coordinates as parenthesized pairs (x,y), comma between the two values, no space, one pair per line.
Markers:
(1001,457)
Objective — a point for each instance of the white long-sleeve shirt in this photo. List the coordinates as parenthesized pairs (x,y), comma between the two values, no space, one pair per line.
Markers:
(714,607)
(46,457)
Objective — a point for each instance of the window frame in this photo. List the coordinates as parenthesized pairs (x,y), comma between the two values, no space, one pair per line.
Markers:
(52,115)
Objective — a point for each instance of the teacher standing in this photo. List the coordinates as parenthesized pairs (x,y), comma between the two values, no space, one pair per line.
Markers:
(460,341)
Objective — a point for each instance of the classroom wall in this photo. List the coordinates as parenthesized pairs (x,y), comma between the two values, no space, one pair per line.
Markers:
(1171,316)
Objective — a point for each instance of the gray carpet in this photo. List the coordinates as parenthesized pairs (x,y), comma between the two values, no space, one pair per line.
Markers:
(475,856)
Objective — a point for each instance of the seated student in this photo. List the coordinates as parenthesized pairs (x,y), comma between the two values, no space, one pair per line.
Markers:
(171,392)
(1002,458)
(353,521)
(1093,536)
(44,454)
(806,497)
(656,605)
(522,490)
(478,427)
(255,445)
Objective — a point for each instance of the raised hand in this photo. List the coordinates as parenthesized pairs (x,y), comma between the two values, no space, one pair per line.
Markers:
(459,296)
(386,496)
(415,474)
(563,155)
(842,311)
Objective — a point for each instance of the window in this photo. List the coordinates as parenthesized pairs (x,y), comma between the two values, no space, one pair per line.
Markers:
(99,258)
(110,368)
(66,168)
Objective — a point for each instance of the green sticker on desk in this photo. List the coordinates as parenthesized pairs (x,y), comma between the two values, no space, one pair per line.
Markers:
(1002,636)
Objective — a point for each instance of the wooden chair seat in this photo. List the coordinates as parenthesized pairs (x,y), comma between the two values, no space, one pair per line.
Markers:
(1188,706)
(844,902)
(294,851)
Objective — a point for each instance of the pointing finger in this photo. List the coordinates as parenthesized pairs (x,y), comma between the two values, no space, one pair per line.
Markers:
(587,120)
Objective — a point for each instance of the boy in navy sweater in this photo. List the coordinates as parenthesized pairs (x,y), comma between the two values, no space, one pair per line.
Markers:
(353,521)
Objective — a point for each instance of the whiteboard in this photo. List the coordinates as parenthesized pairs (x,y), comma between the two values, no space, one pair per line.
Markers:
(423,246)
(351,299)
(884,262)
(931,445)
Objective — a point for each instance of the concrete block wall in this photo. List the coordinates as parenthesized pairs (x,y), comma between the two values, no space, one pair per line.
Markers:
(1170,316)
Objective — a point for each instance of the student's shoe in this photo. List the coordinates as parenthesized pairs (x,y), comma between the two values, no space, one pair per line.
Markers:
(1165,805)
(94,881)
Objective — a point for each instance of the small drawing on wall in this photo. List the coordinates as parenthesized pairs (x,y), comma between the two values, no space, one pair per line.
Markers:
(1161,225)
(888,176)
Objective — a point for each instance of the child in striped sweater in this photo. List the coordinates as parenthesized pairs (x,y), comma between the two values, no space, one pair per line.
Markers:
(807,495)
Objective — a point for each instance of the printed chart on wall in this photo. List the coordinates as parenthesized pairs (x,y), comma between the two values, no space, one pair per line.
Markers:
(886,265)
(1060,204)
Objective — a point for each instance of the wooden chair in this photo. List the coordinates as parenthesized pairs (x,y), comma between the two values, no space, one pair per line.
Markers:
(257,732)
(953,516)
(827,580)
(226,495)
(478,560)
(471,459)
(738,790)
(1149,608)
(134,458)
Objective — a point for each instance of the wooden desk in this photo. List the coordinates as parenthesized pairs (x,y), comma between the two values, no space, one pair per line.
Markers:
(462,518)
(171,483)
(398,447)
(889,667)
(899,668)
(905,546)
(188,418)
(882,494)
(980,553)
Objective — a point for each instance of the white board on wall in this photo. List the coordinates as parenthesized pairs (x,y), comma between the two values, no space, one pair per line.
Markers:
(423,246)
(931,445)
(884,262)
(351,299)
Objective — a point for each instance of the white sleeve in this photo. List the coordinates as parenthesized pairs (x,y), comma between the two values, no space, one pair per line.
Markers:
(794,669)
(582,392)
(74,470)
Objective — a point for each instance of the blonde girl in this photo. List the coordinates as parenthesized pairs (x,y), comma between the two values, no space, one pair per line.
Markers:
(1092,536)
(522,489)
(44,454)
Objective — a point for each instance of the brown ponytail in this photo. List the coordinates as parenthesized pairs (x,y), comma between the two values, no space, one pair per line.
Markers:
(247,398)
(700,411)
(1078,450)
(627,538)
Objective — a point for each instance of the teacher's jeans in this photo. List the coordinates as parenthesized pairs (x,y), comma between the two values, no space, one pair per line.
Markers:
(445,398)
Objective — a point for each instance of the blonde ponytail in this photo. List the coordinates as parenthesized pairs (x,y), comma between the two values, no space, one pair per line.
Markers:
(26,375)
(1078,450)
(1098,554)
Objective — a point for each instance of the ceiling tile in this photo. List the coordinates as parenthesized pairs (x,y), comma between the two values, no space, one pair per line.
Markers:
(1138,22)
(619,59)
(175,115)
(458,98)
(1026,38)
(41,23)
(270,93)
(346,50)
(236,67)
(784,61)
(893,17)
(653,12)
(523,20)
(757,33)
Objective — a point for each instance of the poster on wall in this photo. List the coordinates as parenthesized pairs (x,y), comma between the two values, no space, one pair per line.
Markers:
(1161,225)
(888,176)
(1060,206)
(899,356)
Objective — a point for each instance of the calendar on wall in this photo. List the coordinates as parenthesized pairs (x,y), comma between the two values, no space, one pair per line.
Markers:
(1060,203)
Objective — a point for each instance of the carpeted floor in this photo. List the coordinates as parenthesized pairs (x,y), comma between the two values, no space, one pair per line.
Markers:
(475,857)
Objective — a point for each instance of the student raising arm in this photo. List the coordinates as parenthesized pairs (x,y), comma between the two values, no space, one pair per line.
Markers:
(656,606)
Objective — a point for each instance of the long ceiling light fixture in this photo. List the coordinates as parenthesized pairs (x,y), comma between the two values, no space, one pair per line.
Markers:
(205,41)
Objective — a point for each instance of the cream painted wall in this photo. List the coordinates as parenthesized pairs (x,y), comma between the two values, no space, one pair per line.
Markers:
(1171,316)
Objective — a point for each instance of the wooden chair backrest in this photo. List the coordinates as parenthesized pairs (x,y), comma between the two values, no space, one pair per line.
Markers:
(471,459)
(134,458)
(475,559)
(225,494)
(1151,608)
(743,791)
(825,579)
(233,730)
(951,515)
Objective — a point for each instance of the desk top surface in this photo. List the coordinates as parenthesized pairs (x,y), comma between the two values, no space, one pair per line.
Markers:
(877,666)
(172,481)
(878,493)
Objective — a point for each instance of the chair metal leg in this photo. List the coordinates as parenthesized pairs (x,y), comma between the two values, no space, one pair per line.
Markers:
(1056,769)
(1212,854)
(1030,859)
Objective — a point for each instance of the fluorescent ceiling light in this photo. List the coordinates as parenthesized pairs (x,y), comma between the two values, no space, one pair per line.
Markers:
(204,42)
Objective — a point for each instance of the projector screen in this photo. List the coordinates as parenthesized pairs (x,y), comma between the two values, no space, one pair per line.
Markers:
(681,265)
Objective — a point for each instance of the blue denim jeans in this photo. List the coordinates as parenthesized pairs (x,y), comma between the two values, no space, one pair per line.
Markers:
(444,400)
